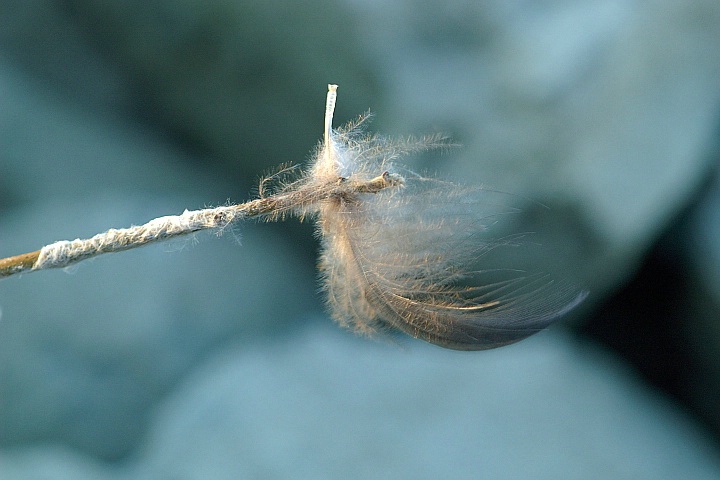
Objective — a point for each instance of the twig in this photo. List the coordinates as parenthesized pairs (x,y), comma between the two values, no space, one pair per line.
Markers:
(64,253)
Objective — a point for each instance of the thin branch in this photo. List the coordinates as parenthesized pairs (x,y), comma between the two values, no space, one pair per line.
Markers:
(64,253)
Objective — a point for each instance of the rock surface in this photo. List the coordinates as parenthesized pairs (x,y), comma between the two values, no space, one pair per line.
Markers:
(323,404)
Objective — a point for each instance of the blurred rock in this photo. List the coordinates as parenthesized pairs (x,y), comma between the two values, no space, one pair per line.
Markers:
(603,111)
(51,463)
(326,405)
(323,404)
(42,39)
(700,239)
(84,357)
(53,150)
(245,81)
